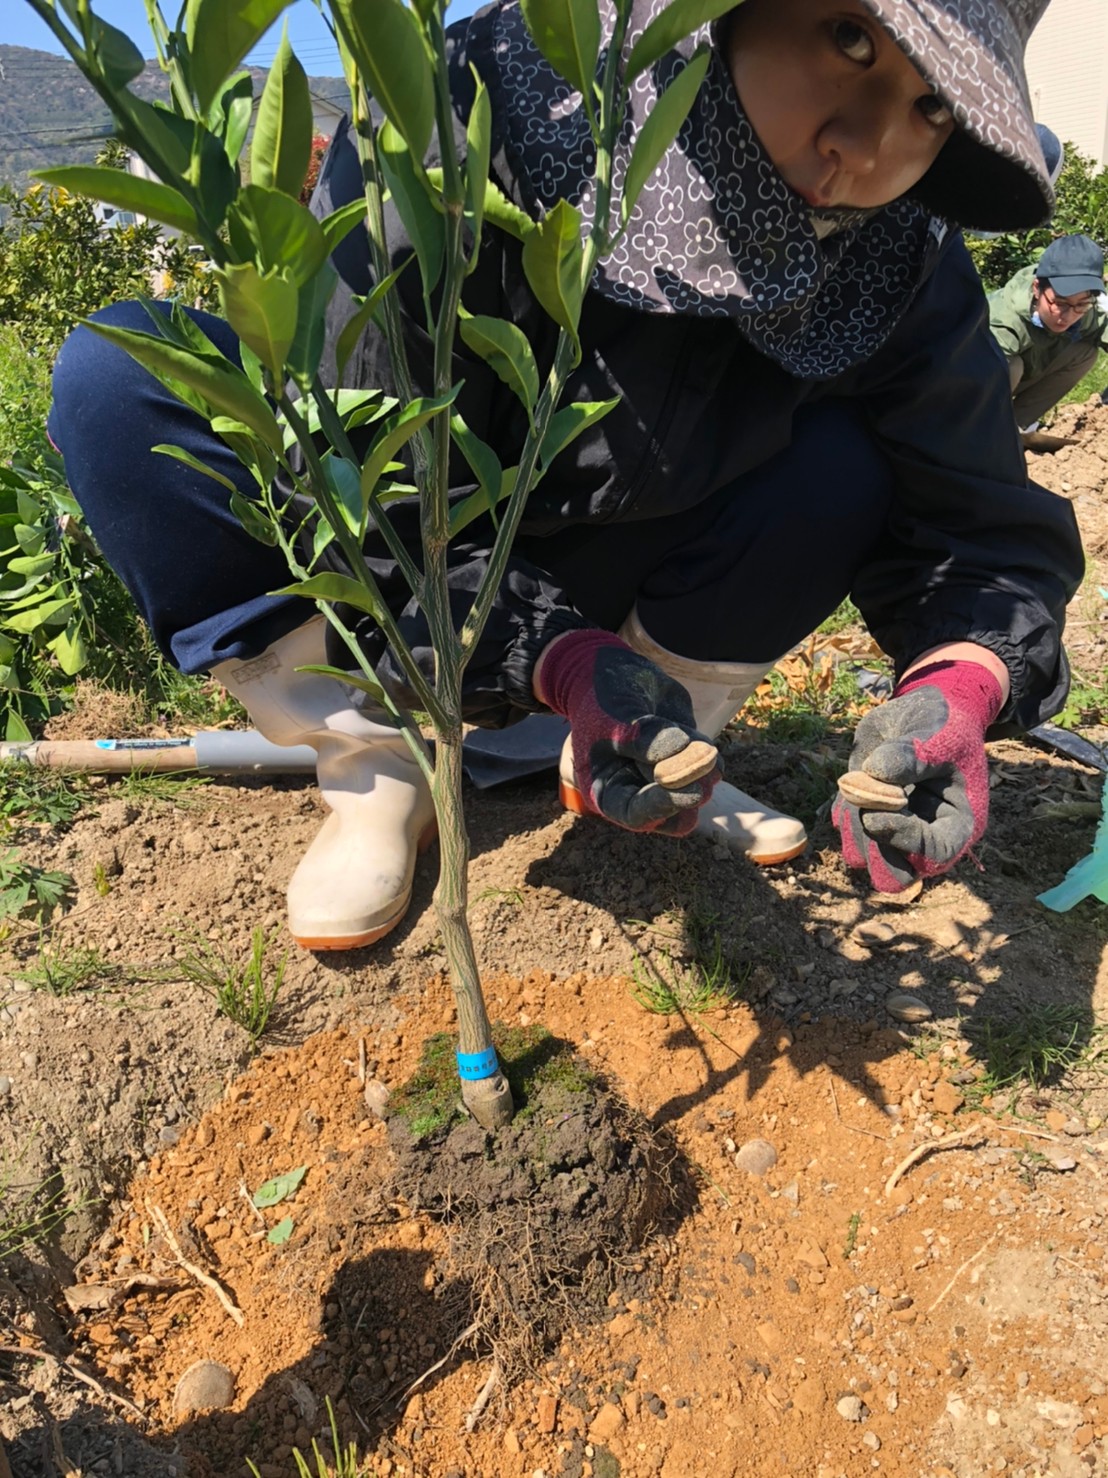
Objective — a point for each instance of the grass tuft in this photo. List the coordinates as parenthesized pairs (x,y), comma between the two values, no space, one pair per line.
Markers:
(345,1463)
(63,969)
(1033,1050)
(245,992)
(686,990)
(30,1212)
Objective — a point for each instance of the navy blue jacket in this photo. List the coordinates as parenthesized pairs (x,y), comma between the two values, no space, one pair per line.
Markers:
(971,552)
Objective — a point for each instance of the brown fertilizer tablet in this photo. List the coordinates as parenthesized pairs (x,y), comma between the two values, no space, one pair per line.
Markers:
(694,762)
(871,794)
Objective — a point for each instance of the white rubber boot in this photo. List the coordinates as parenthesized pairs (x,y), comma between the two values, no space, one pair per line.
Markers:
(718,690)
(354,883)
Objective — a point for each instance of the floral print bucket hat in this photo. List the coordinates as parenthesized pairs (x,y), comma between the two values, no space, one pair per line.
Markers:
(990,174)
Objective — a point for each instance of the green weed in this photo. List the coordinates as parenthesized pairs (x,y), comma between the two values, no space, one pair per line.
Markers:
(852,1234)
(63,969)
(175,788)
(344,1465)
(1086,704)
(686,990)
(1036,1048)
(246,993)
(101,881)
(30,892)
(841,619)
(30,1212)
(38,796)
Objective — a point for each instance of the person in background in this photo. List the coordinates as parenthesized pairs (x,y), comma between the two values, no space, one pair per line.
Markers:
(1050,323)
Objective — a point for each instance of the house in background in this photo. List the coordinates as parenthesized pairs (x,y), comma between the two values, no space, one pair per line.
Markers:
(1067,71)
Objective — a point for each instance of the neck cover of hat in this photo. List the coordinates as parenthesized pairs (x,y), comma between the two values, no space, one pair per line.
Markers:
(716,232)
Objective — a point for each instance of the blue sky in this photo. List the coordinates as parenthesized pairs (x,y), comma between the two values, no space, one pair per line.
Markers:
(19,26)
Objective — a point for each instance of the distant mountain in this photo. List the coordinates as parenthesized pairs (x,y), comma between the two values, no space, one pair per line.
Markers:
(49,114)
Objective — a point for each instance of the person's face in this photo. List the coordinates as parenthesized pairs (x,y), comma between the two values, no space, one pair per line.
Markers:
(840,110)
(1058,314)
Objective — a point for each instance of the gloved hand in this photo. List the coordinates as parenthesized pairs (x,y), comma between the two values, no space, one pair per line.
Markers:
(930,735)
(632,732)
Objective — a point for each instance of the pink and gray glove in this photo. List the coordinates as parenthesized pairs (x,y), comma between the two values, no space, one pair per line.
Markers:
(626,716)
(929,736)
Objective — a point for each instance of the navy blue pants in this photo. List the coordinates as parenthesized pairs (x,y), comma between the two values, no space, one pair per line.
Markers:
(741,577)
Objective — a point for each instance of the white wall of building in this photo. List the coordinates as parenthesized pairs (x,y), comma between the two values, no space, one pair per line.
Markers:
(1067,72)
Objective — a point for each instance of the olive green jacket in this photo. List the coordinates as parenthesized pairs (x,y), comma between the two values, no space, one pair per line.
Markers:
(1010,320)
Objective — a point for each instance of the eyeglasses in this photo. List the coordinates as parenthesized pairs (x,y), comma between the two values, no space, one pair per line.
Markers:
(1066,305)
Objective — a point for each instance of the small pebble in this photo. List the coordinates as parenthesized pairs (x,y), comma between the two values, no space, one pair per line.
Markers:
(5,1086)
(757,1156)
(850,1408)
(904,1007)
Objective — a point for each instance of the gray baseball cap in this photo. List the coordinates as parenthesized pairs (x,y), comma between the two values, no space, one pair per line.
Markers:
(990,174)
(1072,264)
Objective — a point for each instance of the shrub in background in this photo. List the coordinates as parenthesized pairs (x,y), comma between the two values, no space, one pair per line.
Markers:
(1081,210)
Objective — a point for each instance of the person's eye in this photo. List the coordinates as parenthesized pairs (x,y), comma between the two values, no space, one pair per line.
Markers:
(935,110)
(854,41)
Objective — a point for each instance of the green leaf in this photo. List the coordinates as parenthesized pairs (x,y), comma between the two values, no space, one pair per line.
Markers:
(16,731)
(669,27)
(221,383)
(180,455)
(50,613)
(568,423)
(338,589)
(220,33)
(280,1234)
(482,501)
(504,348)
(396,432)
(116,55)
(282,144)
(32,564)
(341,222)
(553,261)
(567,32)
(351,679)
(212,175)
(660,129)
(125,192)
(306,350)
(166,135)
(387,44)
(237,104)
(254,520)
(354,406)
(279,1187)
(480,456)
(506,214)
(478,148)
(322,537)
(276,232)
(345,481)
(355,325)
(425,226)
(262,311)
(70,649)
